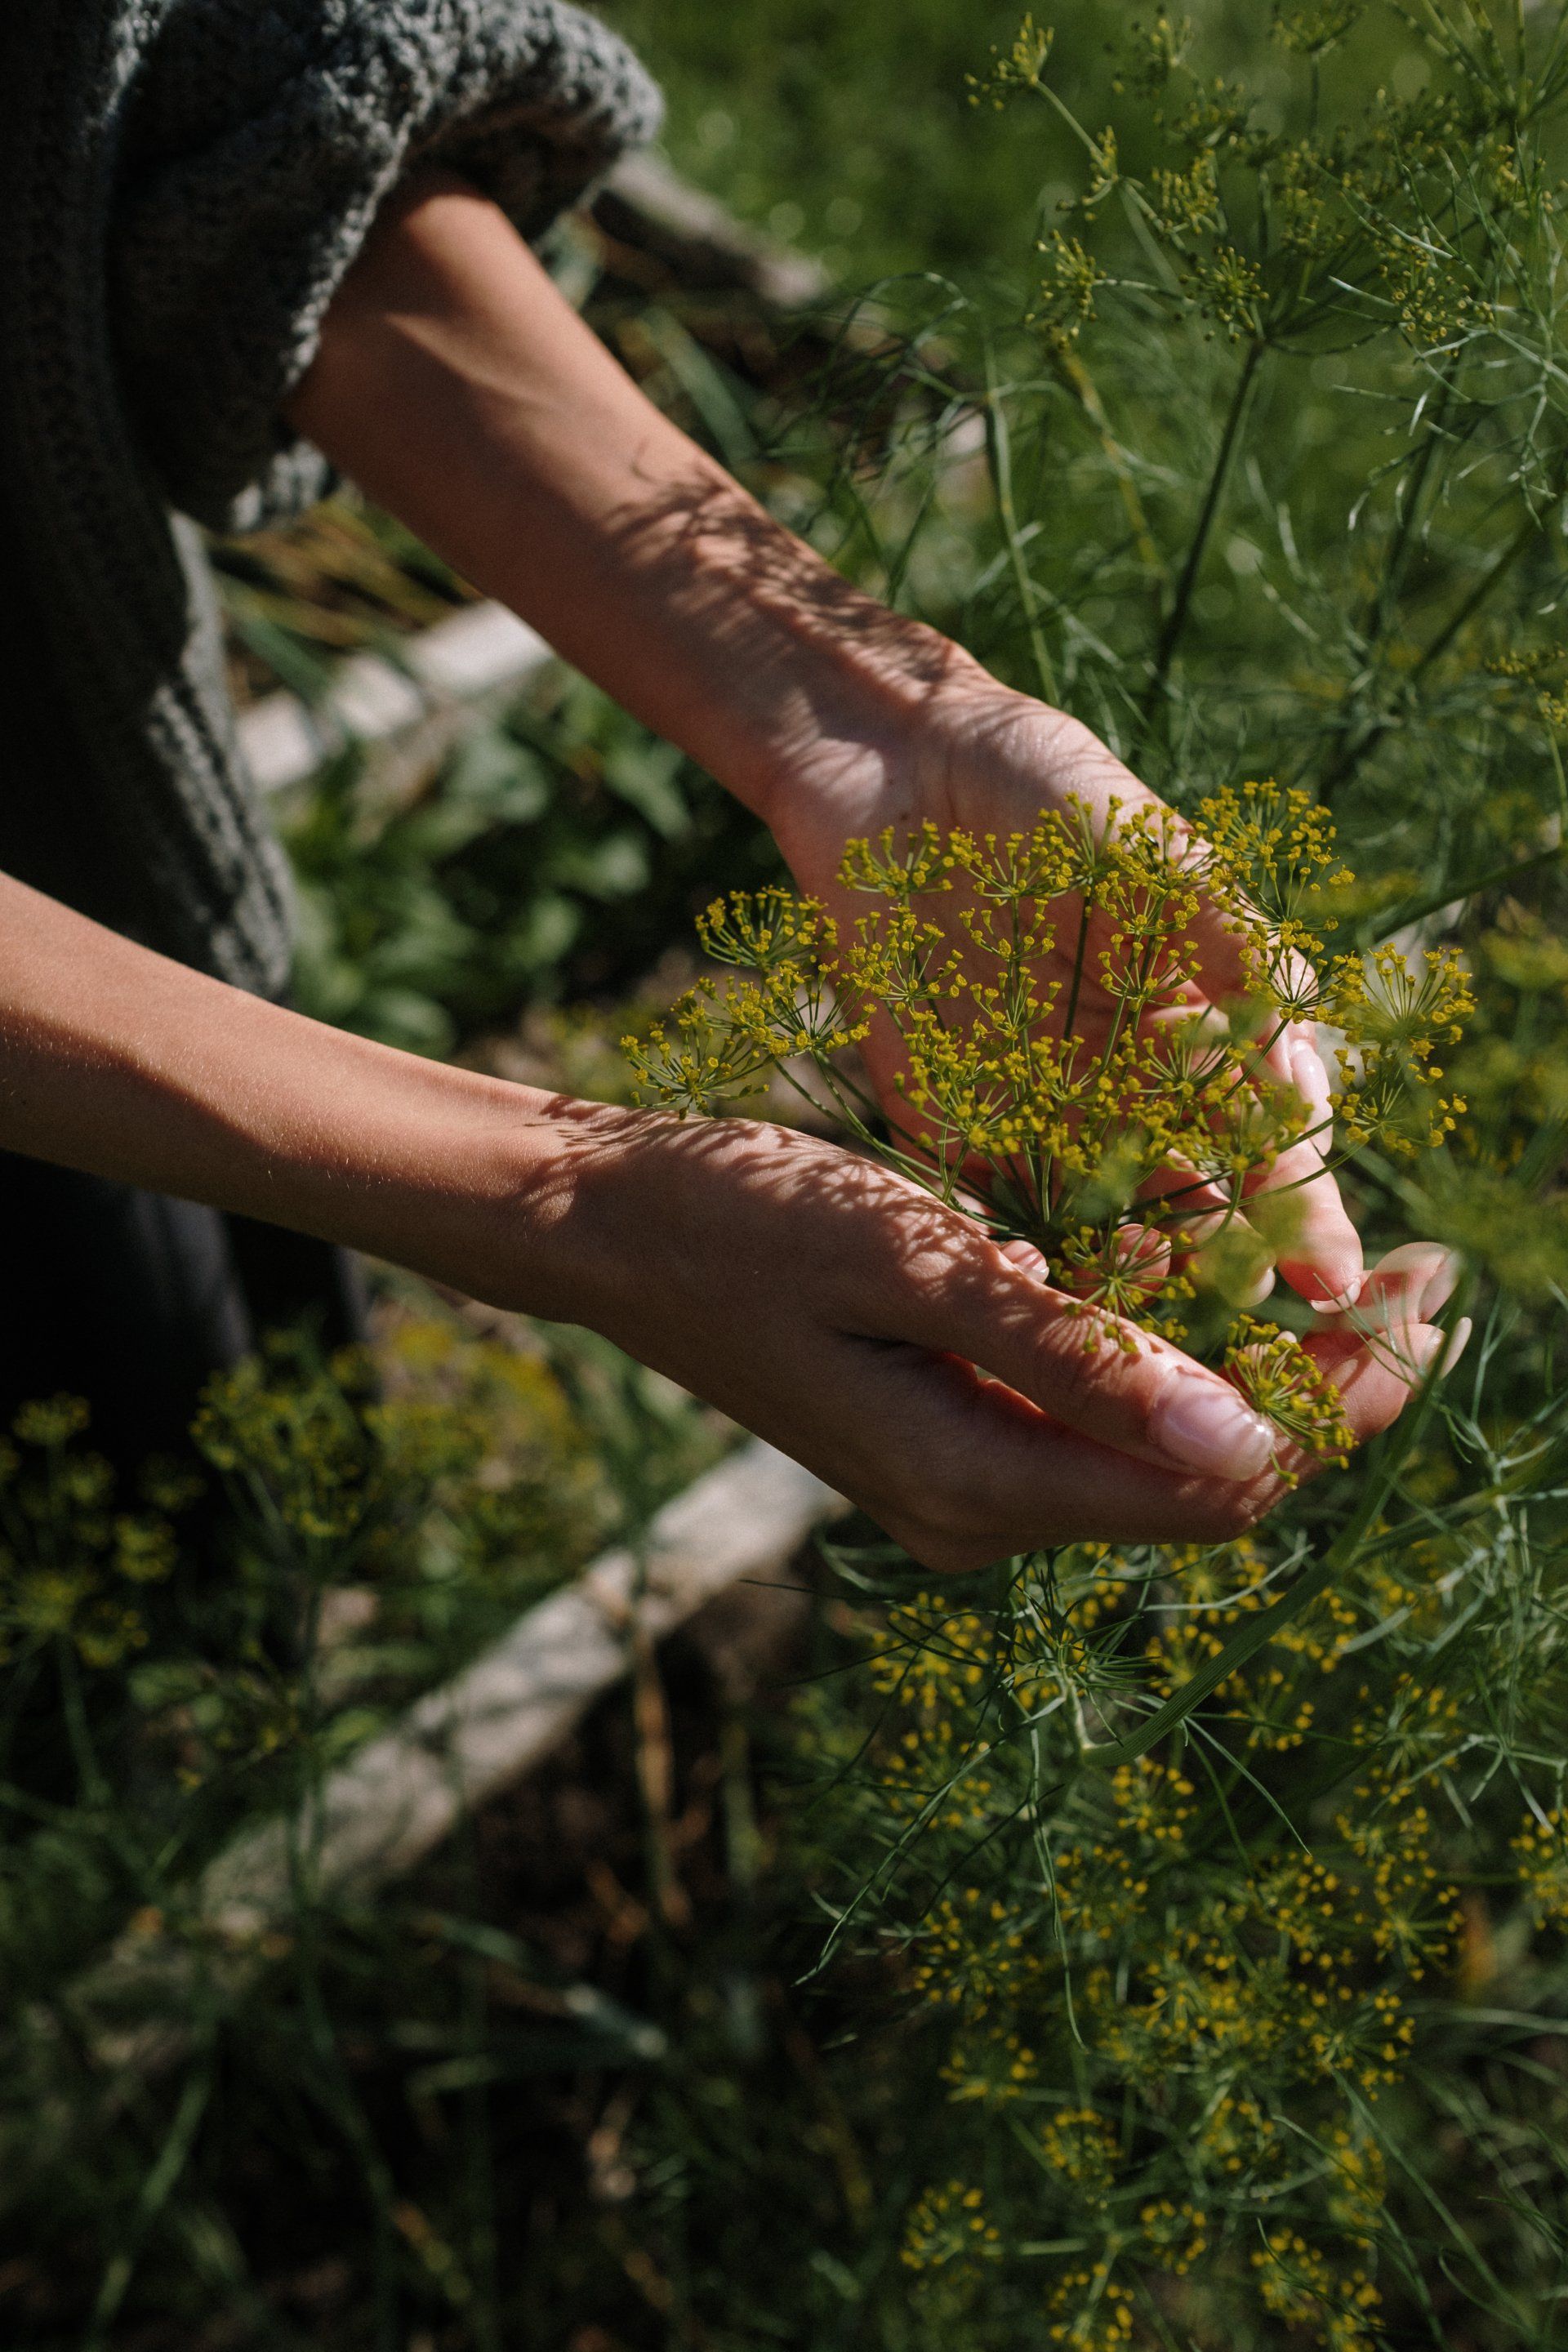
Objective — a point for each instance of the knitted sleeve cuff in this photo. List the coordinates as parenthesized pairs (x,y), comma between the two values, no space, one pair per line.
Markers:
(260,138)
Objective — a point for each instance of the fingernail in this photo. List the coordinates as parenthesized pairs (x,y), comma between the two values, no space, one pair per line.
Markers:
(1389,1307)
(1438,1270)
(1205,1425)
(1340,1302)
(1445,1348)
(1027,1259)
(1310,1073)
(1439,1287)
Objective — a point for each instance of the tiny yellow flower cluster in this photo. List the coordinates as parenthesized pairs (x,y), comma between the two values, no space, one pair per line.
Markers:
(1237,2021)
(67,1554)
(1080,2144)
(1321,210)
(1096,2308)
(1541,1846)
(1016,69)
(1301,2286)
(1173,2235)
(1068,280)
(949,2224)
(1062,1070)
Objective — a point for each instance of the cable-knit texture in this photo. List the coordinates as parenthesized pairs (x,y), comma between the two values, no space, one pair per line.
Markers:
(183,185)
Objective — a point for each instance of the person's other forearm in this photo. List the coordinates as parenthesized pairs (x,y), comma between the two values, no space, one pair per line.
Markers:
(118,1061)
(457,386)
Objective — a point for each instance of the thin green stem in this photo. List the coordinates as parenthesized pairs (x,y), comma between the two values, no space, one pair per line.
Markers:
(1176,620)
(1502,563)
(1391,577)
(1361,746)
(1250,1638)
(999,458)
(84,1754)
(1498,877)
(156,2191)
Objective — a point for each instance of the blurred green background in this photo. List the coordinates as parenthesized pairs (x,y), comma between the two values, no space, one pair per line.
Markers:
(850,131)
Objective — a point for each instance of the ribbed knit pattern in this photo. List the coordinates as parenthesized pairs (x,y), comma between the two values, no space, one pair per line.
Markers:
(183,185)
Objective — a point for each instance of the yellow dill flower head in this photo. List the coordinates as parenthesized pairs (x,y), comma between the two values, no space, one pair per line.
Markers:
(1057,1072)
(1302,2284)
(1080,2145)
(1543,1850)
(950,2225)
(1174,2236)
(1095,2308)
(1280,1380)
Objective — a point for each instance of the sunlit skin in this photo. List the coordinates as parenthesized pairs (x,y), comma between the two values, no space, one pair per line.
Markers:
(810,1295)
(1033,1008)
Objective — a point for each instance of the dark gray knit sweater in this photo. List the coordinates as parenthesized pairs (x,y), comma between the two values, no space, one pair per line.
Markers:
(182,184)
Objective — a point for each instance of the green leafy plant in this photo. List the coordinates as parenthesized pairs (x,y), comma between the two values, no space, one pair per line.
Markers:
(1061,1073)
(1252,457)
(1247,2035)
(550,853)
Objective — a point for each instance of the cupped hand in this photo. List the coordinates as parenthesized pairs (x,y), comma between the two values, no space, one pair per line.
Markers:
(888,1343)
(973,755)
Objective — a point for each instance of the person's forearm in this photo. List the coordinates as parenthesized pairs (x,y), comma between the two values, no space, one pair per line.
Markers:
(117,1061)
(683,1243)
(457,385)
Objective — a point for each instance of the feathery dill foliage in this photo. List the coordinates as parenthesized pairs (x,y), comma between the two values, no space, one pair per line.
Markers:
(187,1652)
(1234,1884)
(1060,1070)
(442,1481)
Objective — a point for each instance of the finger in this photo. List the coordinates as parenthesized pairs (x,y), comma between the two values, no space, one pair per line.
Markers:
(1322,1258)
(1376,1377)
(1227,1254)
(1205,1236)
(978,1474)
(1324,1262)
(1414,1282)
(1374,1381)
(1140,1262)
(1146,1256)
(1310,1235)
(1007,1478)
(957,1295)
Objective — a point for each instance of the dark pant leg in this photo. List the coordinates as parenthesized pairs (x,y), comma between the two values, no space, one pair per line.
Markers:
(290,1279)
(132,1300)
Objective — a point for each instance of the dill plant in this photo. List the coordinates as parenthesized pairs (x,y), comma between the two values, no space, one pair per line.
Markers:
(1232,1884)
(175,1617)
(190,1649)
(1062,1075)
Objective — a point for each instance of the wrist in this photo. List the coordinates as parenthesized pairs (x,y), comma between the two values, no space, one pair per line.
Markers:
(544,1204)
(551,1225)
(534,1202)
(865,740)
(863,687)
(128,1065)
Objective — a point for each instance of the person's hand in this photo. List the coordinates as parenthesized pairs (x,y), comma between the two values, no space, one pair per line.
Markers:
(889,1345)
(829,1306)
(971,755)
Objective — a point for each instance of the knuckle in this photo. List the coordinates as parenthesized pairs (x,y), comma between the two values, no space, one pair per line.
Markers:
(1079,1359)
